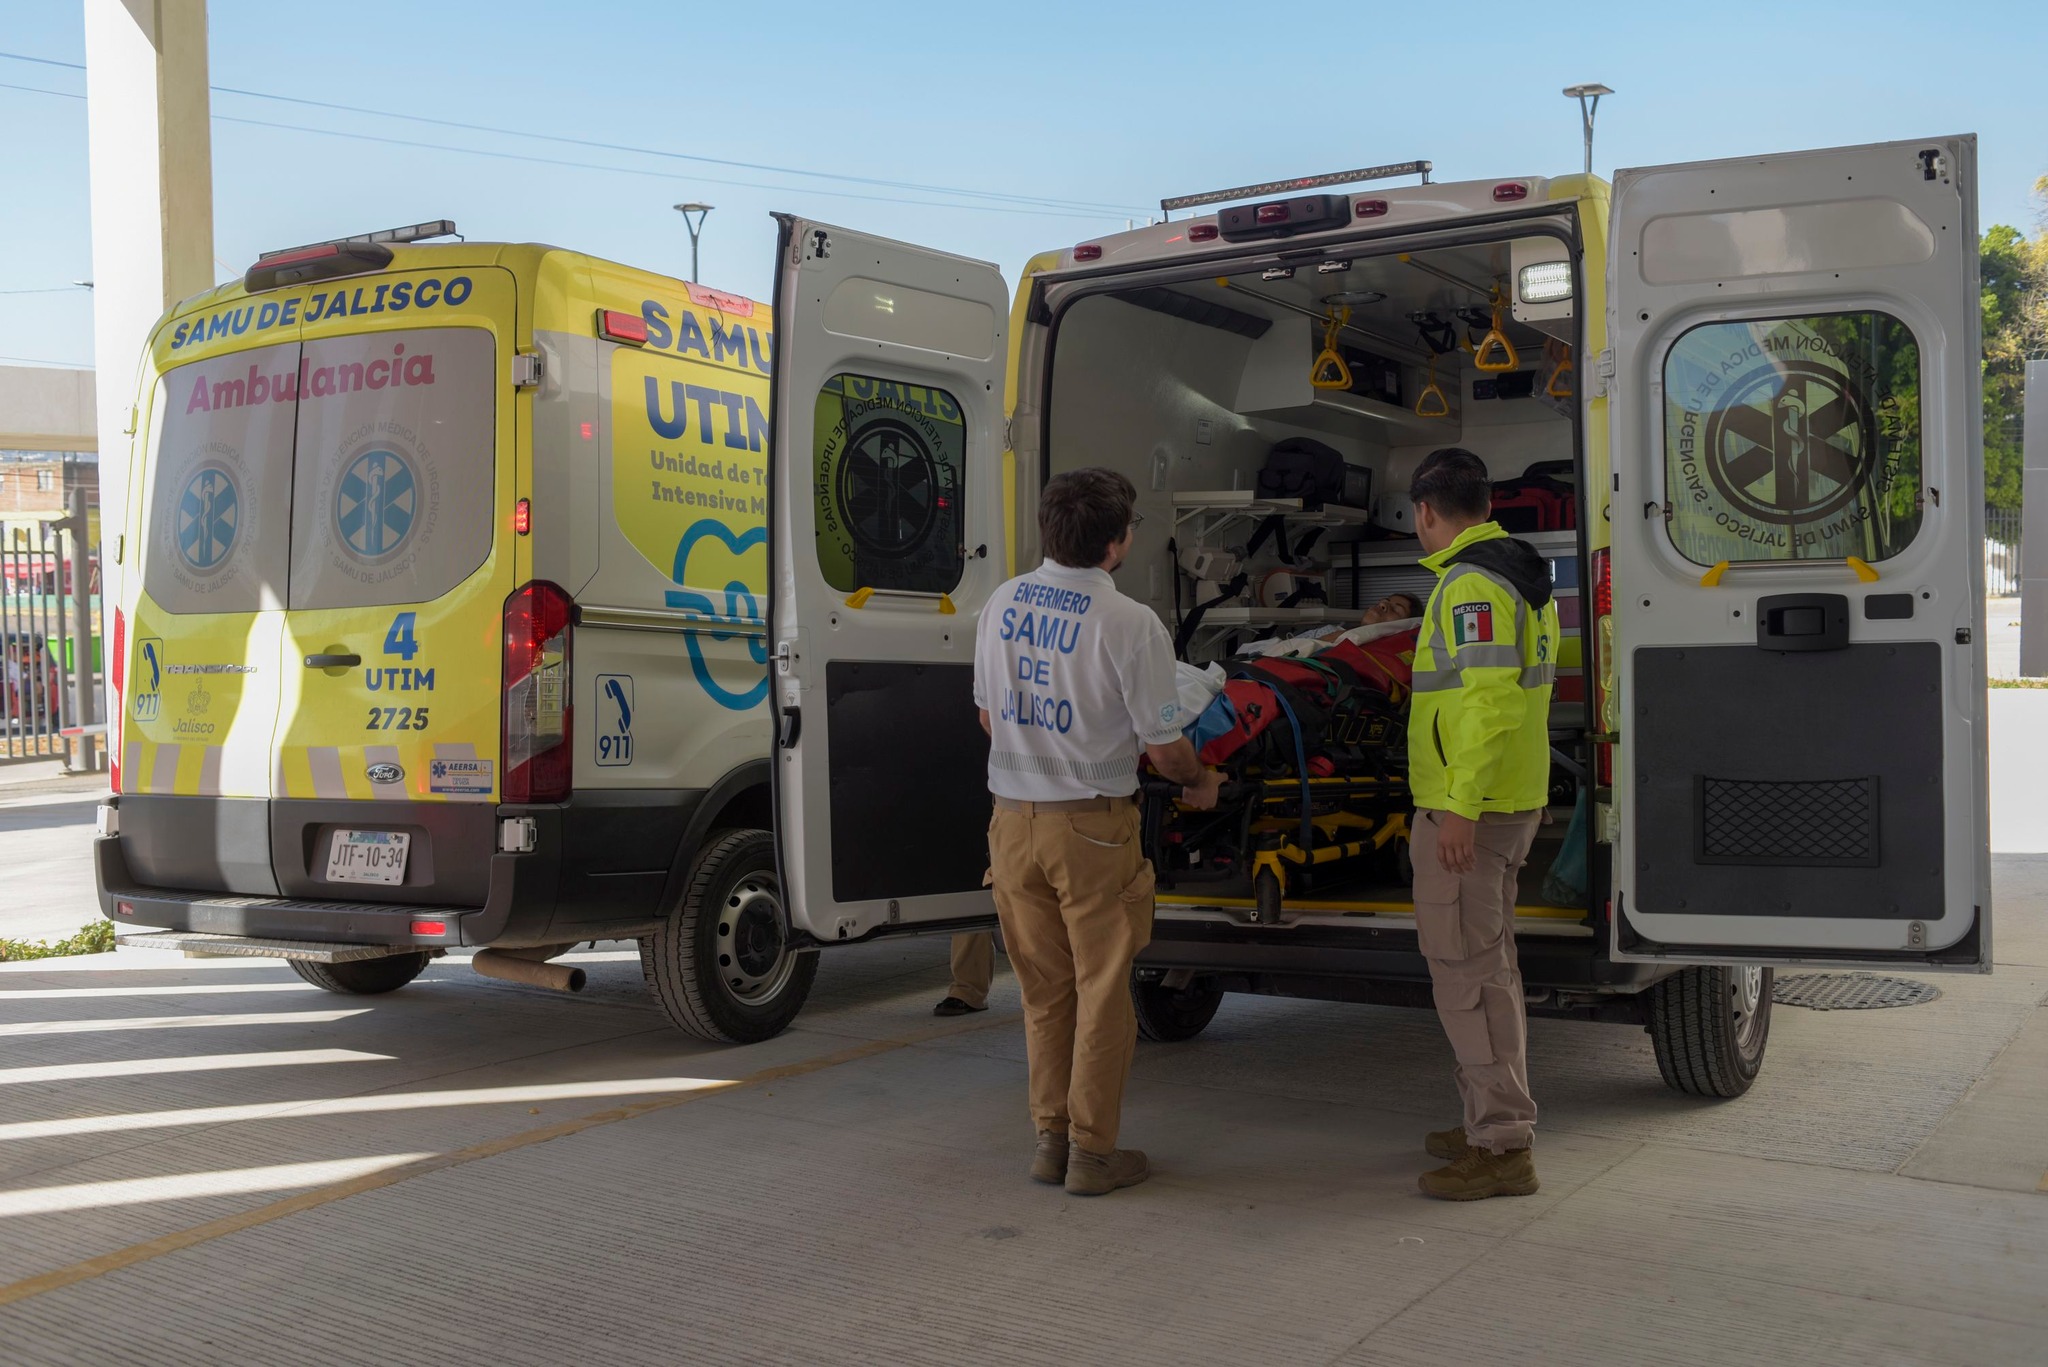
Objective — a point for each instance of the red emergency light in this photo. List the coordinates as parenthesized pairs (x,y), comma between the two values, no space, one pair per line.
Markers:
(428,928)
(522,516)
(1510,190)
(614,326)
(1203,232)
(1088,251)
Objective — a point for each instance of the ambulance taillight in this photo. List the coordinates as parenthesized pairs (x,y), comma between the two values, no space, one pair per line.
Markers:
(117,677)
(537,723)
(1606,707)
(322,261)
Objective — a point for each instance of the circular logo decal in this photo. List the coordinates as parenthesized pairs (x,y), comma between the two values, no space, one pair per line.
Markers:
(1790,444)
(376,503)
(209,515)
(889,488)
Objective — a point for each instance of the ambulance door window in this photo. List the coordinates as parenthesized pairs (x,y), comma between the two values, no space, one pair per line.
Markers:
(889,477)
(396,468)
(1793,439)
(220,495)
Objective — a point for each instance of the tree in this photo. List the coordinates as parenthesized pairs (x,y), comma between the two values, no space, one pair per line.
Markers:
(2015,301)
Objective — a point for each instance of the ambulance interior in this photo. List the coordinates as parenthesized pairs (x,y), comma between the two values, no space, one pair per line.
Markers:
(1187,388)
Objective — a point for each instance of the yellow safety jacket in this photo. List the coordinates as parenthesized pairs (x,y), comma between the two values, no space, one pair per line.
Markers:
(1485,660)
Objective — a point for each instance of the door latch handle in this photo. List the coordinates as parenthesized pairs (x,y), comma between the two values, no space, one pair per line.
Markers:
(333,661)
(792,726)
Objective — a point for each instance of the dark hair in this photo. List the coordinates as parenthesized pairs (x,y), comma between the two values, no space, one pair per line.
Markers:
(1082,513)
(1411,600)
(1453,482)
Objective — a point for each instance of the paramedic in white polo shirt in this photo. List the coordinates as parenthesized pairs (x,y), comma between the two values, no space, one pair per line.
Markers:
(1073,679)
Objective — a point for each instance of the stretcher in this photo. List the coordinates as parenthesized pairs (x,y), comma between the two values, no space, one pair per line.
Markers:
(1315,789)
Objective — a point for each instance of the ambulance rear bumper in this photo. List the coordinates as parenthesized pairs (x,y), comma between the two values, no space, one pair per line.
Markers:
(518,906)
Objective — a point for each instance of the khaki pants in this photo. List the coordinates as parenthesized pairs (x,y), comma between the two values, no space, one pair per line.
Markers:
(1074,894)
(974,967)
(1466,926)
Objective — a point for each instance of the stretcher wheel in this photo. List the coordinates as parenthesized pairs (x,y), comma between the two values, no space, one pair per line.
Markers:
(1167,1015)
(1266,898)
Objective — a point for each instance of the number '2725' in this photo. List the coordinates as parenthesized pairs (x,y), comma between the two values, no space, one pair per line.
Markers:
(397,719)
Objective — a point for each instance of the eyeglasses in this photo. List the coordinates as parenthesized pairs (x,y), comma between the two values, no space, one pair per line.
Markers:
(1136,518)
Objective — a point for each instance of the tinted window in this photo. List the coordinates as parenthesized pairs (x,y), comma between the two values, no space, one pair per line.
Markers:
(395,477)
(1793,439)
(891,464)
(220,492)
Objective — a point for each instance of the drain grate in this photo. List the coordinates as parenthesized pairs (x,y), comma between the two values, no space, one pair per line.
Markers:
(1851,991)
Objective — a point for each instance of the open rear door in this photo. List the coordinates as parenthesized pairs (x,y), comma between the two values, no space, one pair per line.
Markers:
(885,535)
(1797,560)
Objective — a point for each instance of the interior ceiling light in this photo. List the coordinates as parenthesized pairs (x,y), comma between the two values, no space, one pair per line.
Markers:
(1354,298)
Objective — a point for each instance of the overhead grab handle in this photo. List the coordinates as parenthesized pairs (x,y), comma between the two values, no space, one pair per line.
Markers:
(1329,370)
(1432,402)
(1496,354)
(1559,386)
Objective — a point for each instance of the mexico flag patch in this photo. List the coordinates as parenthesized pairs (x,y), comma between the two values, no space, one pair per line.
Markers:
(1471,624)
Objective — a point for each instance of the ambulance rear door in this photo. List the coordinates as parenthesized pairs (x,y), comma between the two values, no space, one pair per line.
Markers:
(885,540)
(1798,605)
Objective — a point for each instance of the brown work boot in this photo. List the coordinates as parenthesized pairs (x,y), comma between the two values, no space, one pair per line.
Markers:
(1446,1144)
(1049,1157)
(1479,1173)
(1095,1174)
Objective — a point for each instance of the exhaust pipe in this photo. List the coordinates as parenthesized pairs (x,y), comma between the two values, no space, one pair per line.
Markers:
(509,966)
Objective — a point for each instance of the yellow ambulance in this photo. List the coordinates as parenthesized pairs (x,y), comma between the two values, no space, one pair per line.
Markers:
(1734,404)
(440,624)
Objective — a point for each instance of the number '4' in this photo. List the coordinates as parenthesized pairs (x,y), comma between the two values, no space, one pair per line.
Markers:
(399,640)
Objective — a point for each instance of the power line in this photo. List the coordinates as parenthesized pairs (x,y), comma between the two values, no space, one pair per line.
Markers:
(1090,208)
(54,289)
(38,360)
(587,166)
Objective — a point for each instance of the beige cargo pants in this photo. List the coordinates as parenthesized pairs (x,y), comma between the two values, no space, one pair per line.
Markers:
(1074,894)
(974,967)
(1465,924)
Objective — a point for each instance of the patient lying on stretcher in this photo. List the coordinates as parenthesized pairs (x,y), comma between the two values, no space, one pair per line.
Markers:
(1221,713)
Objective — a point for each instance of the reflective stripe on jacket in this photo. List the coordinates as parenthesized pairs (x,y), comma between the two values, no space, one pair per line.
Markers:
(1478,733)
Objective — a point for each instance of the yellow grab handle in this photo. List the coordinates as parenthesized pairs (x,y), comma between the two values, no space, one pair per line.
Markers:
(1329,370)
(859,598)
(1564,367)
(1865,571)
(1423,407)
(1496,340)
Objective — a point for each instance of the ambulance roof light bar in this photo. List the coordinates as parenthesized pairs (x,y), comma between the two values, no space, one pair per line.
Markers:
(416,232)
(1277,187)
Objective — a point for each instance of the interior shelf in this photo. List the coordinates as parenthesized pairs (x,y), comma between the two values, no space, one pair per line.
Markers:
(1206,511)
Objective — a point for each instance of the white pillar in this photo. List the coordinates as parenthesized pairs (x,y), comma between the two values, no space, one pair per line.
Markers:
(152,205)
(2034,525)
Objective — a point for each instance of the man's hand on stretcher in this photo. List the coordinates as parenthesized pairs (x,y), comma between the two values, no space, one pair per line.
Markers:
(1179,763)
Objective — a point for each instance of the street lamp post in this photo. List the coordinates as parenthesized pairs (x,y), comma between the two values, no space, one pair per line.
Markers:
(1588,96)
(696,227)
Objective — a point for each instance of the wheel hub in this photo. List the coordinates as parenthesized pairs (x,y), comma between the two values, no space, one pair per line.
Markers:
(753,955)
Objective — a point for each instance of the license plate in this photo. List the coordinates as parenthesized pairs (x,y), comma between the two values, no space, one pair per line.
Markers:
(368,857)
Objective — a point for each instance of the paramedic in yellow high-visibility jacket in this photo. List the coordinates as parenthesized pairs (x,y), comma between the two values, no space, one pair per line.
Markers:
(1479,765)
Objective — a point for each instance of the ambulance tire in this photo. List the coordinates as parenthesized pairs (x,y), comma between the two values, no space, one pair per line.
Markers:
(720,966)
(1168,1015)
(363,977)
(1710,1026)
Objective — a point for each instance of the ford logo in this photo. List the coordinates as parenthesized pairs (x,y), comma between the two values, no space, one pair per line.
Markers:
(385,773)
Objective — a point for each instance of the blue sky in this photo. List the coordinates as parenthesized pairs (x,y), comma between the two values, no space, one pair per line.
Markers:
(1106,105)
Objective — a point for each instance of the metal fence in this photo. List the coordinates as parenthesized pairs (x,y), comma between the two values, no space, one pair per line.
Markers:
(40,643)
(2002,551)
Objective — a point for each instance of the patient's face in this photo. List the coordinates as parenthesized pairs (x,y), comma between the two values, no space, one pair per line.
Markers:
(1395,607)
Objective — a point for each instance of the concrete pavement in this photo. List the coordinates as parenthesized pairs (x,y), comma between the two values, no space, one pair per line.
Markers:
(206,1161)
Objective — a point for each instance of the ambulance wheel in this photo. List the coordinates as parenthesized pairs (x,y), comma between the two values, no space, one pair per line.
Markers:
(1167,1015)
(363,977)
(1710,1026)
(721,965)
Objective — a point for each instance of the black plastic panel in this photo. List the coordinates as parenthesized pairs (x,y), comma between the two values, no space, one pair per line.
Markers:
(910,804)
(201,844)
(1800,783)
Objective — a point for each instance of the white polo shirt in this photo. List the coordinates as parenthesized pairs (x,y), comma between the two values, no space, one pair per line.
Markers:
(1075,677)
